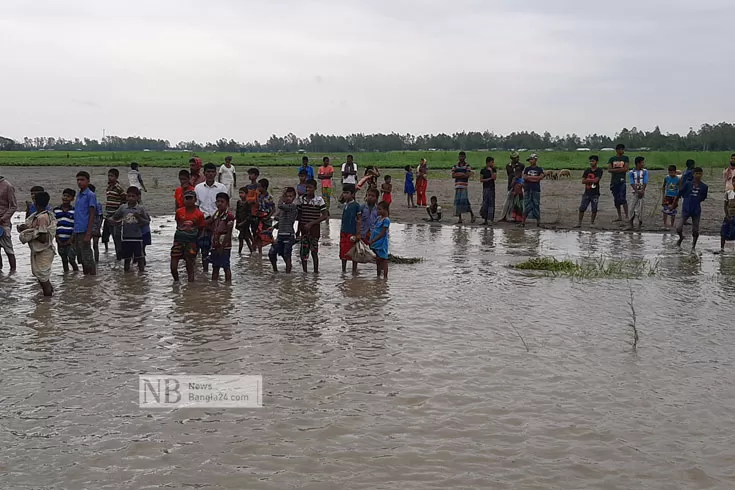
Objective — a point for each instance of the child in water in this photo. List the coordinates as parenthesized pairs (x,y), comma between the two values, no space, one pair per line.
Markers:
(379,239)
(387,188)
(408,187)
(38,232)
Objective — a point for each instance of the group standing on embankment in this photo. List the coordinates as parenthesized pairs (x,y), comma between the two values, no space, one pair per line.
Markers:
(207,211)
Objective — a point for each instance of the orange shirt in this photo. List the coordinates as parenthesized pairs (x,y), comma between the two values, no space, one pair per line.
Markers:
(188,224)
(179,195)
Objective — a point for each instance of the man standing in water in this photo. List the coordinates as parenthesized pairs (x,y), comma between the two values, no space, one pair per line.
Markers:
(532,177)
(206,193)
(618,167)
(8,207)
(591,180)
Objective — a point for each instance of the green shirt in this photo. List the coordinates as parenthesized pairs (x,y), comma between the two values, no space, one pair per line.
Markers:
(618,162)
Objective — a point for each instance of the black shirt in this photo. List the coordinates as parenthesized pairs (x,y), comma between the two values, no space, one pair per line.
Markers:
(487,173)
(592,189)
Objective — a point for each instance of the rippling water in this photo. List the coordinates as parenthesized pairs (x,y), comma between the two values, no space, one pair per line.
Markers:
(418,382)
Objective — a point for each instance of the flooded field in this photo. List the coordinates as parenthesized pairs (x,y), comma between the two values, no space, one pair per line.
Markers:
(414,383)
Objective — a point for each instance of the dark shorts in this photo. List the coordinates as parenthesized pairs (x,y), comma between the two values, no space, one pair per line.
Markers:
(184,250)
(131,249)
(308,245)
(220,258)
(618,191)
(253,223)
(586,201)
(695,223)
(204,243)
(283,247)
(668,201)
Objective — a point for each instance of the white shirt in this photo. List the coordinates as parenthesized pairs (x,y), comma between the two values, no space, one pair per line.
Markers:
(207,197)
(350,179)
(227,175)
(133,178)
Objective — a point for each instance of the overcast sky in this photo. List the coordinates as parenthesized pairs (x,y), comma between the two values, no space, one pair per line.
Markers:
(205,69)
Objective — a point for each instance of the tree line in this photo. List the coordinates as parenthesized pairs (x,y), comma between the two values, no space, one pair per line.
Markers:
(717,137)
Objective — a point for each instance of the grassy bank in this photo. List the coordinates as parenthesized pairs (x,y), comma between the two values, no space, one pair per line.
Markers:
(572,160)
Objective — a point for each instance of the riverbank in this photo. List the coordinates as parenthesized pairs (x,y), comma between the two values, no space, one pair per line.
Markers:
(559,198)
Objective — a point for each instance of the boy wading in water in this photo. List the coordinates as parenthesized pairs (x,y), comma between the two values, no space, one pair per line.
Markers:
(283,246)
(461,173)
(65,230)
(693,193)
(312,211)
(532,177)
(727,232)
(618,167)
(379,239)
(638,184)
(591,180)
(85,213)
(189,225)
(351,226)
(223,221)
(38,232)
(670,191)
(115,197)
(132,218)
(487,177)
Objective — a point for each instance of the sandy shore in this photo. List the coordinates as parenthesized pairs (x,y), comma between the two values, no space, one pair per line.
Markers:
(559,199)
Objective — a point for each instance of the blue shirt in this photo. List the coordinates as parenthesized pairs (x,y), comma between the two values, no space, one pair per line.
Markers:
(638,177)
(381,246)
(32,209)
(309,171)
(349,218)
(369,218)
(672,185)
(693,196)
(533,172)
(64,223)
(85,200)
(687,176)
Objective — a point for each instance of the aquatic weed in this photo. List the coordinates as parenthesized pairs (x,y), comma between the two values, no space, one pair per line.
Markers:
(591,268)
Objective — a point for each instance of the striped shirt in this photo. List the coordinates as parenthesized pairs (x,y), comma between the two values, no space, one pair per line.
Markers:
(115,197)
(286,218)
(311,210)
(462,182)
(64,223)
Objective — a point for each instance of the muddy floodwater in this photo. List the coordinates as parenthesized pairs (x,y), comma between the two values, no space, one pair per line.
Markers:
(415,383)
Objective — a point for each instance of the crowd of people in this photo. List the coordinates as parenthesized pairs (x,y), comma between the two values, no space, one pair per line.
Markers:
(206,212)
(206,217)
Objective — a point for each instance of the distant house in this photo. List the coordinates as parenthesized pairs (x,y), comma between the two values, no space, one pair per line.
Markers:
(608,149)
(583,149)
(302,151)
(146,149)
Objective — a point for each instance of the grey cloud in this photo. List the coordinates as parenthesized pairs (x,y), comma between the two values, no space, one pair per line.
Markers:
(225,68)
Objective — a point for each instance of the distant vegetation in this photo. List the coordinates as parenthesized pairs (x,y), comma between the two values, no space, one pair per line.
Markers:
(718,137)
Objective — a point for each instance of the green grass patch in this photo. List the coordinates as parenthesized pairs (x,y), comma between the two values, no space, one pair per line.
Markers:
(438,160)
(592,268)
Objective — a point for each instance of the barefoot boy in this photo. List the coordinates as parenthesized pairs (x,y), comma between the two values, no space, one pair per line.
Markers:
(287,214)
(618,167)
(64,215)
(189,225)
(351,226)
(638,184)
(38,232)
(223,222)
(85,213)
(312,211)
(131,217)
(670,190)
(115,196)
(591,180)
(693,193)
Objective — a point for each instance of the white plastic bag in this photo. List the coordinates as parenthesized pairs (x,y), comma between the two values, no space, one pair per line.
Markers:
(360,253)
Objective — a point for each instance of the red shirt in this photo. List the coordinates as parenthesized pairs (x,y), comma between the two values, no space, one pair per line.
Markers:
(189,222)
(179,195)
(222,223)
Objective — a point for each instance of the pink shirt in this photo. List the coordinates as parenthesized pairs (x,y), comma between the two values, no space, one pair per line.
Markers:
(326,171)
